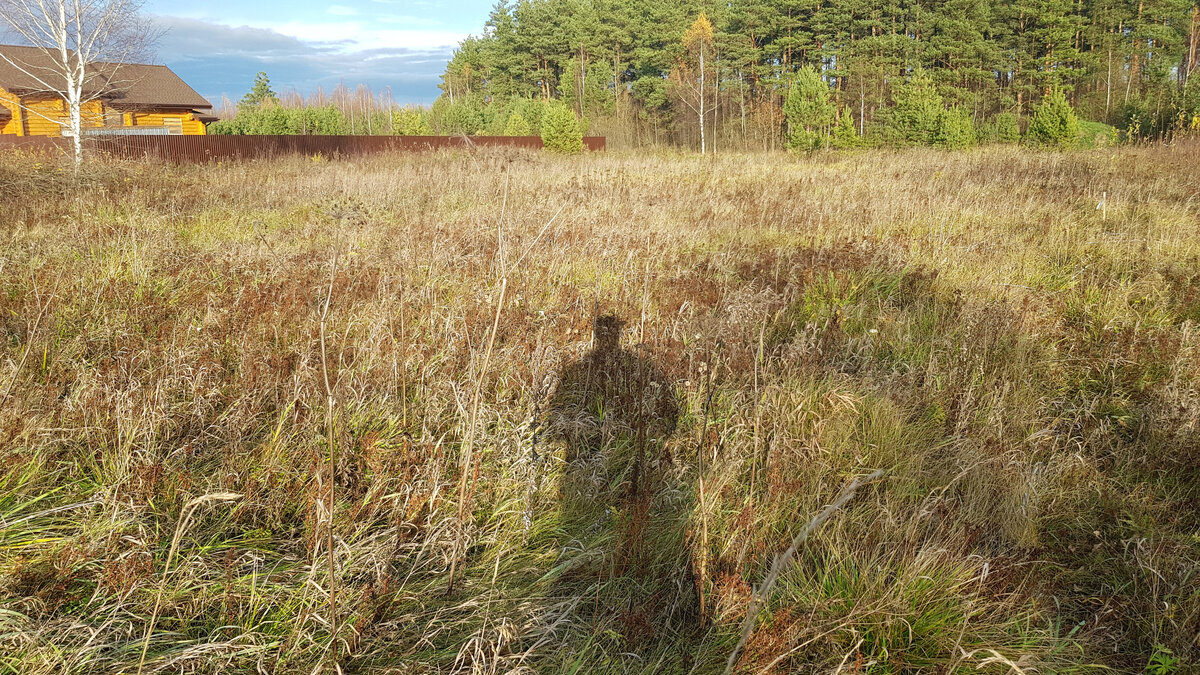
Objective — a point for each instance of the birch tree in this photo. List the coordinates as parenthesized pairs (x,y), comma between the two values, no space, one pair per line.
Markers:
(698,50)
(77,51)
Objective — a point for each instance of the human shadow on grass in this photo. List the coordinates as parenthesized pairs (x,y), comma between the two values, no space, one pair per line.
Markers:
(622,513)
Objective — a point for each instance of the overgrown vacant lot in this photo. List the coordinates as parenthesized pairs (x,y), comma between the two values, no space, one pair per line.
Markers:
(1024,367)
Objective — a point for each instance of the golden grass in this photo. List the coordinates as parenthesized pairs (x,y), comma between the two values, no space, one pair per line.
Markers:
(1024,367)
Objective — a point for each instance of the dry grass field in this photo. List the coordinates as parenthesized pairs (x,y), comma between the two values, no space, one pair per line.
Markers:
(195,360)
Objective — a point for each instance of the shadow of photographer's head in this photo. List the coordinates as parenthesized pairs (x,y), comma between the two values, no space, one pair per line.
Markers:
(606,332)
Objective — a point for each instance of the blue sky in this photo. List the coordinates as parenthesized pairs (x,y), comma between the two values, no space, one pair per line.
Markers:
(217,46)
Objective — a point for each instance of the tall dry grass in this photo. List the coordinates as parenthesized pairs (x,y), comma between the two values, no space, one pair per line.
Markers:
(1024,368)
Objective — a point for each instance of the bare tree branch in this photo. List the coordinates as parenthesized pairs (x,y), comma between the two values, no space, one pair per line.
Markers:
(763,591)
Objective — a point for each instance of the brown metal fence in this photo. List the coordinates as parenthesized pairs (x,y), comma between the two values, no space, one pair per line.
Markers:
(209,148)
(34,143)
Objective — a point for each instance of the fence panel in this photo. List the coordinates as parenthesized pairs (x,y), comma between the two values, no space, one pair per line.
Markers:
(34,143)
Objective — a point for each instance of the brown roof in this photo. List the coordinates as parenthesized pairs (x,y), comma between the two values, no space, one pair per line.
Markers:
(131,85)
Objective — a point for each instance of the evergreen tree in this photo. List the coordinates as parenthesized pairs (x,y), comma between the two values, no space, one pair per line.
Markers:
(509,68)
(615,38)
(545,38)
(531,110)
(960,58)
(918,113)
(1001,128)
(260,92)
(561,131)
(517,126)
(956,131)
(463,117)
(1054,124)
(587,86)
(845,134)
(808,110)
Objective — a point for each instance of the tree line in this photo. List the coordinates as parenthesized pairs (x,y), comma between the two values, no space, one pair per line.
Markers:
(345,111)
(263,112)
(699,74)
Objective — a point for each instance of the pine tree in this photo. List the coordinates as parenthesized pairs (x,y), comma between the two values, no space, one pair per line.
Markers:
(517,126)
(545,38)
(561,131)
(960,58)
(918,112)
(616,41)
(531,110)
(463,117)
(808,110)
(1054,124)
(1001,128)
(260,92)
(509,68)
(845,134)
(956,131)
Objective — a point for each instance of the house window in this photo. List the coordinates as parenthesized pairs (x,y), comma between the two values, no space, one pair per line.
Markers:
(174,125)
(113,118)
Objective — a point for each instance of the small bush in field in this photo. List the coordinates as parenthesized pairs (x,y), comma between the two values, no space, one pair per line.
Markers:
(561,131)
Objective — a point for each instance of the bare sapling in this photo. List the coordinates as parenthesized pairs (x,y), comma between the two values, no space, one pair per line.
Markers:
(331,473)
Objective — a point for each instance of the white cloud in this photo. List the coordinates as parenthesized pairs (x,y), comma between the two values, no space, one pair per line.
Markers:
(359,35)
(411,21)
(341,10)
(221,59)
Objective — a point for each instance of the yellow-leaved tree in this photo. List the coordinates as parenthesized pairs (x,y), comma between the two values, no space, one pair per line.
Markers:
(691,73)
